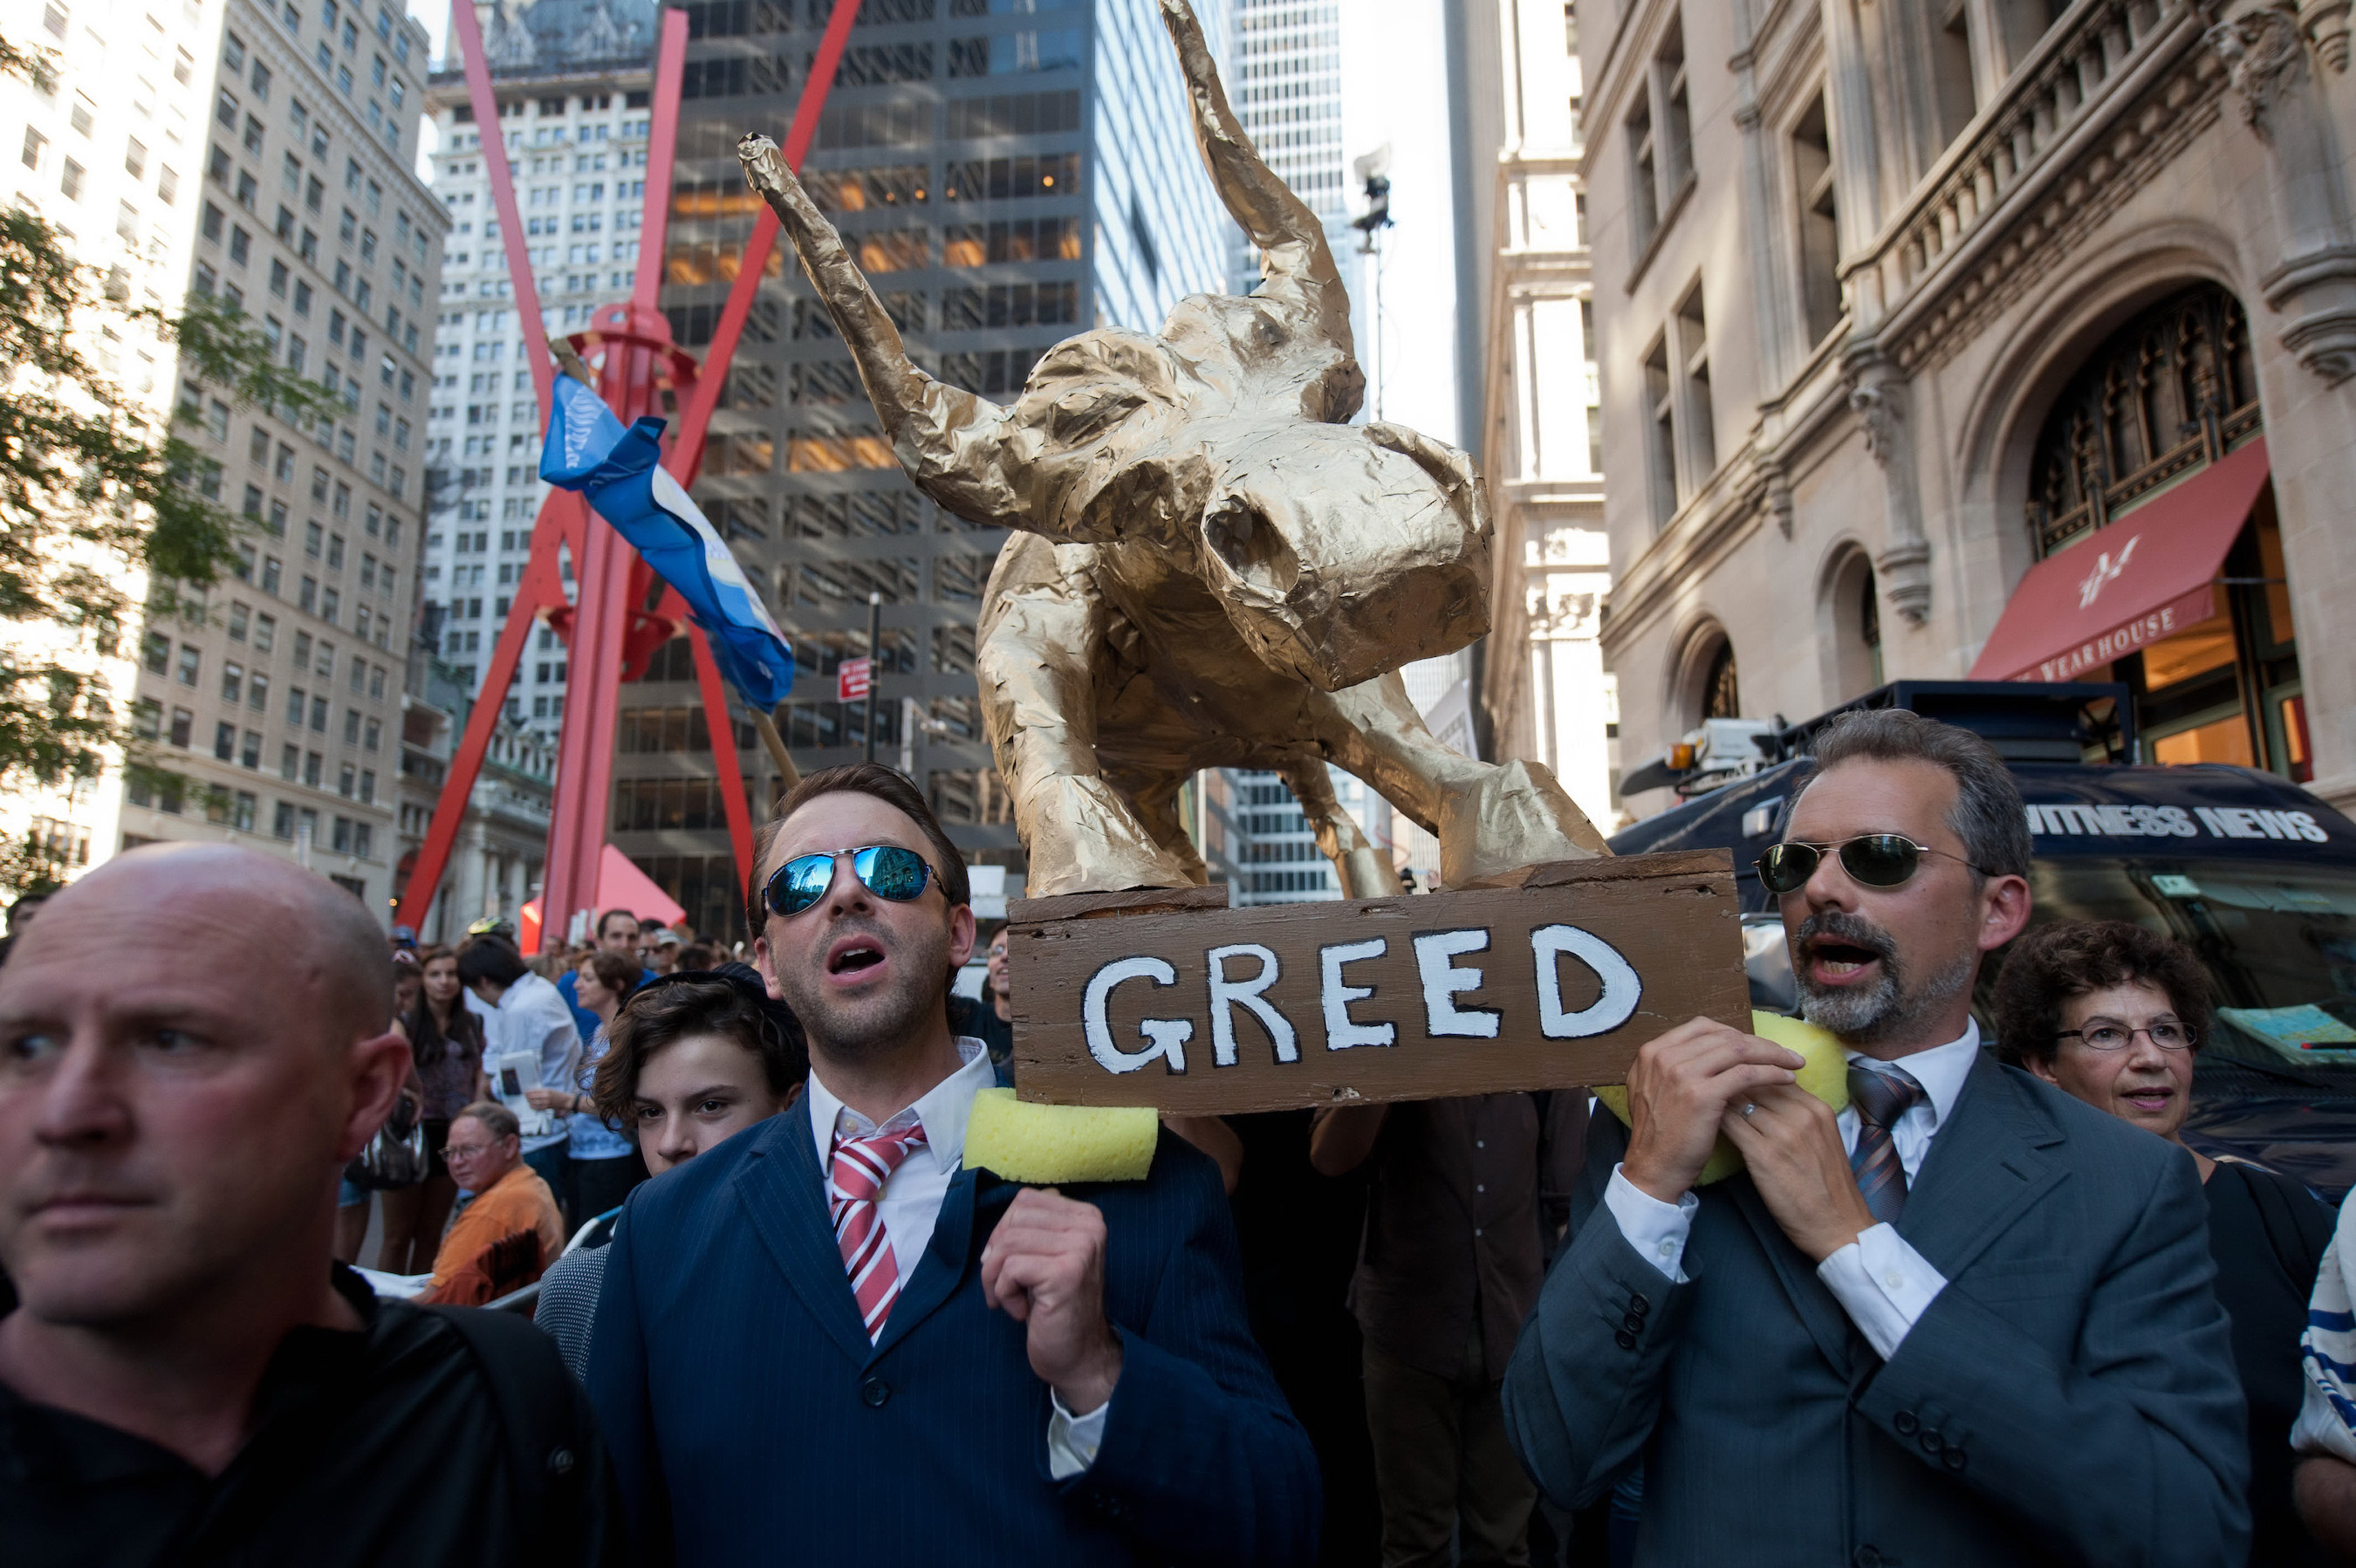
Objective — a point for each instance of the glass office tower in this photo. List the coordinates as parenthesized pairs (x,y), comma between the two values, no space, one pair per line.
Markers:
(1009,173)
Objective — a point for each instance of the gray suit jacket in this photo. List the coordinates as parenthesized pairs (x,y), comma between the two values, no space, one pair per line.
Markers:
(2069,1397)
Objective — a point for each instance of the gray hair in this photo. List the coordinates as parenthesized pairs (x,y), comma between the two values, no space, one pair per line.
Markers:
(496,1119)
(1988,815)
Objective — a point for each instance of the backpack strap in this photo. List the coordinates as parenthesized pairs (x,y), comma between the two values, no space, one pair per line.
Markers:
(534,1396)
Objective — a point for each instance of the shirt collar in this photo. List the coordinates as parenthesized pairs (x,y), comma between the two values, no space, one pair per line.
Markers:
(1941,1070)
(523,990)
(942,1111)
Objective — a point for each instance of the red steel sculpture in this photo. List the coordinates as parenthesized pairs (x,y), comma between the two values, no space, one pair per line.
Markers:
(619,621)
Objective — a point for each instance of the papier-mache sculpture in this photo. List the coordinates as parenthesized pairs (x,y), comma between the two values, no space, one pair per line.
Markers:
(1211,567)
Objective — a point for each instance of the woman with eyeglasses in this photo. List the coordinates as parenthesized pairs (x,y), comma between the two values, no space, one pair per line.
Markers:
(2113,1014)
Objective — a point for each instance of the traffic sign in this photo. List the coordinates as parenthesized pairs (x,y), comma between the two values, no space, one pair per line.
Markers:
(851,681)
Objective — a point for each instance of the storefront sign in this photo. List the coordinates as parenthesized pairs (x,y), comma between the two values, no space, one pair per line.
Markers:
(1548,984)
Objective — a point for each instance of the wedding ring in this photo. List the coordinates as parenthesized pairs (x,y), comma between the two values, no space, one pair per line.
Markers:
(1748,1111)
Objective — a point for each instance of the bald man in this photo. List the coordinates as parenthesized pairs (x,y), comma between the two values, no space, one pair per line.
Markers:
(186,1375)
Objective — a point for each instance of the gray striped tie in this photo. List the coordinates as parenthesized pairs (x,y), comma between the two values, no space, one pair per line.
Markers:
(1881,1097)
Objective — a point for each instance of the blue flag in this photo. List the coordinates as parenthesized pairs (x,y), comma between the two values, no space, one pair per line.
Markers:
(620,472)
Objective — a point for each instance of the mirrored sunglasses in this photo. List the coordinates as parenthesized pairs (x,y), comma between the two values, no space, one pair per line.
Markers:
(886,870)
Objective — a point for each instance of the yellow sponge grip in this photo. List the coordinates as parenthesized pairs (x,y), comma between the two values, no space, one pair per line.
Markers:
(1826,1076)
(1049,1145)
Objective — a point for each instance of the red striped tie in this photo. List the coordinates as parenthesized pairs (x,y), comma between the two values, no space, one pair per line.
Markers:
(861,1167)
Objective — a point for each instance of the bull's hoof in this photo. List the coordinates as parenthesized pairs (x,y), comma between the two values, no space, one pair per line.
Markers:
(1082,837)
(1516,815)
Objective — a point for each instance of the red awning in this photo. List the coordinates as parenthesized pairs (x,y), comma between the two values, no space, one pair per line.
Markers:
(2144,577)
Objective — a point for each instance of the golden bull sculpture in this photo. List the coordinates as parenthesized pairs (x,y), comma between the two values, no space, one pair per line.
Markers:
(1210,566)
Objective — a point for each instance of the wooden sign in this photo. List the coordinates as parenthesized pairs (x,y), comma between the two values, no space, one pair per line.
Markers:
(1171,999)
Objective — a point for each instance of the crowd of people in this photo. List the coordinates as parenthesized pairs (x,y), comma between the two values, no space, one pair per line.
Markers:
(1993,1310)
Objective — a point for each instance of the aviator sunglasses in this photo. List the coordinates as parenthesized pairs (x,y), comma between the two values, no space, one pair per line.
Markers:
(887,870)
(1871,859)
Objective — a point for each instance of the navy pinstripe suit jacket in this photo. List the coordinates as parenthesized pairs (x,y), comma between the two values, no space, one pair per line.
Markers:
(751,1421)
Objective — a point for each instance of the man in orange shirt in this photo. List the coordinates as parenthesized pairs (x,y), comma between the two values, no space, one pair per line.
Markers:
(485,1156)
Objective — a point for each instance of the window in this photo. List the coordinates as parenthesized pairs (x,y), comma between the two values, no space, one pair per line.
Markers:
(135,158)
(1818,225)
(156,653)
(282,817)
(1954,96)
(290,768)
(225,741)
(249,754)
(257,691)
(1681,446)
(1660,139)
(233,683)
(265,628)
(182,722)
(33,143)
(191,659)
(70,186)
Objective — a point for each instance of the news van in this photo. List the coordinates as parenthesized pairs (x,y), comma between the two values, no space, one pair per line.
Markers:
(2248,871)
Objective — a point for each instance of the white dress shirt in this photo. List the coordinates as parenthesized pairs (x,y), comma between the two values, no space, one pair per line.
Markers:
(910,1204)
(531,1018)
(1883,1283)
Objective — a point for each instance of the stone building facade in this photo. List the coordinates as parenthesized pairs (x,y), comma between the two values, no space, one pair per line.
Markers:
(1549,695)
(276,701)
(1898,305)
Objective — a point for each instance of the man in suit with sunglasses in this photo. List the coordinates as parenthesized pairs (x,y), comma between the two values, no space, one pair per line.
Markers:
(829,1337)
(1966,1320)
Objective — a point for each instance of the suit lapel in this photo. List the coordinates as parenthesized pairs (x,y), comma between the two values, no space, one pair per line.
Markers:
(1826,1322)
(939,1272)
(1984,1170)
(786,1201)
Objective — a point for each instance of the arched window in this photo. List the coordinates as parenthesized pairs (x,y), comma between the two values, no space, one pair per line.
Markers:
(1721,695)
(1852,614)
(2171,390)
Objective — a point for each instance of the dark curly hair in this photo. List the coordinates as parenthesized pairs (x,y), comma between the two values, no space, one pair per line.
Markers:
(2063,959)
(728,1002)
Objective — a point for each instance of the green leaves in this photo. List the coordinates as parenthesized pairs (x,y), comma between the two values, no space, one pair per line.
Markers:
(97,488)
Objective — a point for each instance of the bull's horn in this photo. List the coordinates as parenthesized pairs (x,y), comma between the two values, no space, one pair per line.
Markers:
(1296,263)
(954,444)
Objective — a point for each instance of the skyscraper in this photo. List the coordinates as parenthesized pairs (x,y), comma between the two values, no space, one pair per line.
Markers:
(573,80)
(1286,86)
(108,153)
(1007,178)
(280,700)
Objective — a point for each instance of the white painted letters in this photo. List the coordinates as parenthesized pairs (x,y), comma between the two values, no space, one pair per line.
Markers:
(1342,1031)
(1227,994)
(1443,982)
(1169,1036)
(1622,987)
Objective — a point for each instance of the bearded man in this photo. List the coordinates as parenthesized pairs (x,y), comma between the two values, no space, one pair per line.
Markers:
(828,1338)
(1966,1320)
